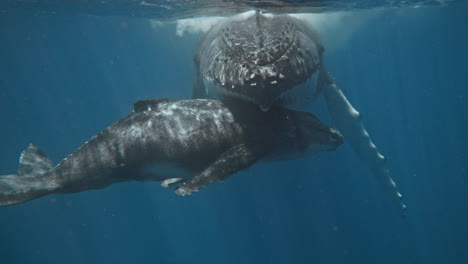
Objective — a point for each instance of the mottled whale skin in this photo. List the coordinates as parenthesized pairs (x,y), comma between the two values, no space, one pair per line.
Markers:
(277,60)
(208,139)
(257,58)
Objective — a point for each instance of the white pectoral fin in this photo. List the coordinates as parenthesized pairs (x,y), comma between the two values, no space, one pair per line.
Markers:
(349,123)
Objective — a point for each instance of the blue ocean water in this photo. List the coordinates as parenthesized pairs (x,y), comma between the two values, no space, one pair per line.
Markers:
(63,78)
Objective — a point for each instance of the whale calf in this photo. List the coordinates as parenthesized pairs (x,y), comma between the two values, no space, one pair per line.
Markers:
(277,60)
(199,141)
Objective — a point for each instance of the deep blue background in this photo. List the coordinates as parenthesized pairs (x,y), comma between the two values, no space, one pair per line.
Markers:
(62,79)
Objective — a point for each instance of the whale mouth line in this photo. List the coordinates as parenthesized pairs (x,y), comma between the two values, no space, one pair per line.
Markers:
(299,95)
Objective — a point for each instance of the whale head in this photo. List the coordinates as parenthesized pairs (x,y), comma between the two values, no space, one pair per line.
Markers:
(298,134)
(312,136)
(264,59)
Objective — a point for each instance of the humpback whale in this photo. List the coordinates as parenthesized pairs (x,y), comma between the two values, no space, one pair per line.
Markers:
(277,60)
(204,140)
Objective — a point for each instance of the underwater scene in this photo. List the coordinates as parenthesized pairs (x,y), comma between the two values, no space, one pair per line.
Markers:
(213,131)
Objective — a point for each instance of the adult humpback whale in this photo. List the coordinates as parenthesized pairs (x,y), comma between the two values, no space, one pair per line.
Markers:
(208,140)
(277,60)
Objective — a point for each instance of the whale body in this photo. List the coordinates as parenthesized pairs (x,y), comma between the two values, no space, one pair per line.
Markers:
(201,140)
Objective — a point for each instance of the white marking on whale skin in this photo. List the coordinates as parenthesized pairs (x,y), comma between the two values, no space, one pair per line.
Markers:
(167,183)
(167,112)
(214,91)
(183,192)
(136,131)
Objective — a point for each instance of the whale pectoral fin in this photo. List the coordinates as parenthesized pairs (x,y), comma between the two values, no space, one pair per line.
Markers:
(144,105)
(349,123)
(235,159)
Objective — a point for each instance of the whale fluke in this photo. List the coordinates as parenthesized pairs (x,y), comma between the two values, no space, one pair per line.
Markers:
(34,160)
(29,184)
